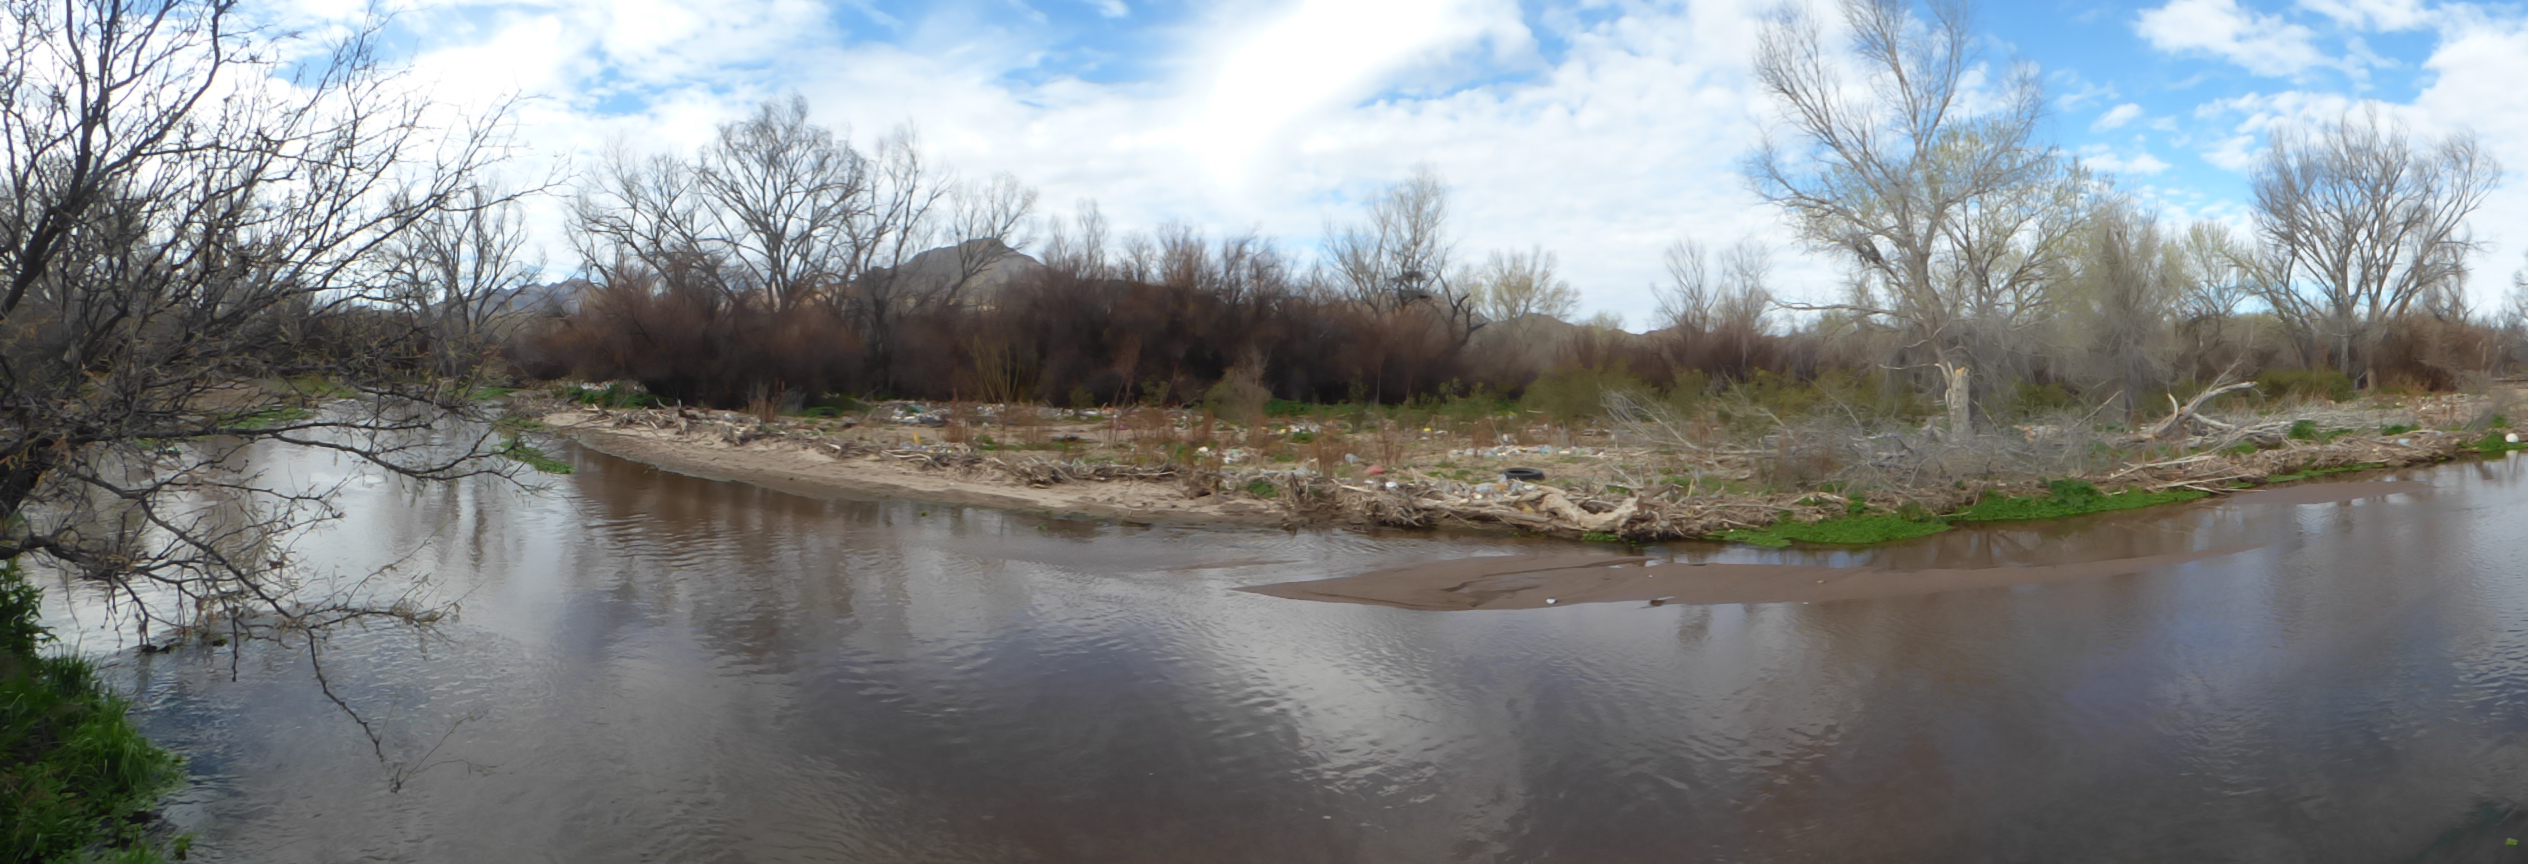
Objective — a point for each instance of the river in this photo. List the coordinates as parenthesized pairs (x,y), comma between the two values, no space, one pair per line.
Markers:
(654,667)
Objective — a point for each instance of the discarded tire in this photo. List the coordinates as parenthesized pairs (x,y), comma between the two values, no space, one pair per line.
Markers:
(1524,475)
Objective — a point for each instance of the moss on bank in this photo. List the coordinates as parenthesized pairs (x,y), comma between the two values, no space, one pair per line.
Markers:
(1846,531)
(78,780)
(522,452)
(2064,498)
(2070,498)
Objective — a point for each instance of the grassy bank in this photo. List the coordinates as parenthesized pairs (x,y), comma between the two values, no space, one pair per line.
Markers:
(78,781)
(2064,498)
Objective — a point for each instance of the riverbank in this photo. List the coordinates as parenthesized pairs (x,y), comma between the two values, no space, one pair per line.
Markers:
(1156,466)
(77,781)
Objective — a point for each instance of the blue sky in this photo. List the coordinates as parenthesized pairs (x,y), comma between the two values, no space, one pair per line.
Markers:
(1601,130)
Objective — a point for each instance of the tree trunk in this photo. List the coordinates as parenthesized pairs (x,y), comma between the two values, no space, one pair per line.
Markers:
(1961,419)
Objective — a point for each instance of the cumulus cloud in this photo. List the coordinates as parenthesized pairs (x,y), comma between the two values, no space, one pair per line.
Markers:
(2381,15)
(2116,117)
(2140,164)
(2260,43)
(1274,119)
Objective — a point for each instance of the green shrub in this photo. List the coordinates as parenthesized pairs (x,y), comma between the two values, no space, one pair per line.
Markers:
(617,396)
(2305,384)
(2302,430)
(2031,398)
(76,778)
(1573,396)
(1286,408)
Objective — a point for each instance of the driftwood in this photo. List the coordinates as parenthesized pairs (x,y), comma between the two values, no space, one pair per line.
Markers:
(1412,500)
(2192,412)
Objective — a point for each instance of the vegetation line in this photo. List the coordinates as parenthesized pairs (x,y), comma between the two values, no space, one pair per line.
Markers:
(520,451)
(77,780)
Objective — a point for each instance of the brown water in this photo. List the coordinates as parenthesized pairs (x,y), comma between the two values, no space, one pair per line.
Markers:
(651,667)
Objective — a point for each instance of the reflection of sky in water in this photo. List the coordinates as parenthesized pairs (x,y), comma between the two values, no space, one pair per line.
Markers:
(654,666)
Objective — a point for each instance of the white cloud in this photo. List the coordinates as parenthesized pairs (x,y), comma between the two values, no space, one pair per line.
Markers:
(1112,8)
(1270,119)
(2140,164)
(2116,117)
(2260,43)
(2381,15)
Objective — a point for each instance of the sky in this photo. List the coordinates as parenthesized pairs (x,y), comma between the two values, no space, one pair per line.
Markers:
(1600,130)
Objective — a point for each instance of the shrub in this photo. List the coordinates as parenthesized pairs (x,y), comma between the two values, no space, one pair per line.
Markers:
(75,776)
(1578,395)
(2305,384)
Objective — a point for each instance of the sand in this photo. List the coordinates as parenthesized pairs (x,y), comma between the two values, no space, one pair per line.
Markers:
(798,469)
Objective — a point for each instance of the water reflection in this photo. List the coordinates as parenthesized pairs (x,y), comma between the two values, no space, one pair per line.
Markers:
(657,667)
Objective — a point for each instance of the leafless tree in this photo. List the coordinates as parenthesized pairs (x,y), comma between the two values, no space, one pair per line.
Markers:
(1955,220)
(2119,299)
(2360,224)
(1401,256)
(196,216)
(460,271)
(1513,285)
(1080,249)
(1701,298)
(781,197)
(780,211)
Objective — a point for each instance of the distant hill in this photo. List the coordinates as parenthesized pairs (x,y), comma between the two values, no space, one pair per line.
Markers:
(988,267)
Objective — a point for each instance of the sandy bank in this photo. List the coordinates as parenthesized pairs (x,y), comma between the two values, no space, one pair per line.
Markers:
(803,469)
(1111,471)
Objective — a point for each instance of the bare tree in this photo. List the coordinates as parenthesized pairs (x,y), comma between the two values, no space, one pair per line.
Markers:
(459,271)
(2513,318)
(1081,248)
(1401,256)
(2120,298)
(1955,221)
(2360,224)
(1513,285)
(1701,298)
(782,212)
(780,196)
(197,219)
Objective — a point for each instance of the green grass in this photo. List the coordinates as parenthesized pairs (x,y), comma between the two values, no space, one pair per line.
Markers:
(615,396)
(524,453)
(486,394)
(1261,489)
(266,418)
(1601,537)
(2069,498)
(2492,444)
(1842,531)
(76,778)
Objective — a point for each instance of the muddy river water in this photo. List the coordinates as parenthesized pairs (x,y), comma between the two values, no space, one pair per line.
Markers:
(654,667)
